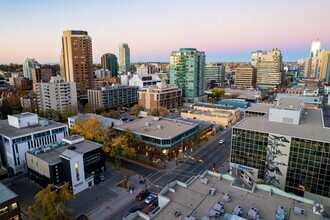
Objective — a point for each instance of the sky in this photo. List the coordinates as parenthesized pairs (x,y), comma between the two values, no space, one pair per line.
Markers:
(228,31)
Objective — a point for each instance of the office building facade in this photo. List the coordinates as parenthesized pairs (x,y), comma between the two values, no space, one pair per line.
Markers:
(245,77)
(269,68)
(187,73)
(113,96)
(73,159)
(57,95)
(287,148)
(40,74)
(109,62)
(215,72)
(77,60)
(124,58)
(23,132)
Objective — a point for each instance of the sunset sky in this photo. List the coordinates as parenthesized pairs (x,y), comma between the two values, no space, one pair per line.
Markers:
(225,30)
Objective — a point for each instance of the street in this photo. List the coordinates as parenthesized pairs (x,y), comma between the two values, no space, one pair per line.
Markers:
(212,153)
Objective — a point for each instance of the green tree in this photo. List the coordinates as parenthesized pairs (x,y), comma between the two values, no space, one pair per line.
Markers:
(50,204)
(119,147)
(69,111)
(136,109)
(155,112)
(52,115)
(218,93)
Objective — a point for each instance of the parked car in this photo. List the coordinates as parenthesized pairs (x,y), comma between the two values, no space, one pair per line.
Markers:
(155,203)
(221,141)
(143,194)
(102,178)
(150,198)
(135,209)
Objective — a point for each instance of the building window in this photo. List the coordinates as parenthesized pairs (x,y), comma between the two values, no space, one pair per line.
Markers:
(76,165)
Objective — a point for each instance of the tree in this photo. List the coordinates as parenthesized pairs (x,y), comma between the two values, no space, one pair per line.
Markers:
(163,112)
(155,112)
(100,110)
(136,109)
(69,111)
(119,147)
(91,128)
(89,108)
(218,93)
(50,204)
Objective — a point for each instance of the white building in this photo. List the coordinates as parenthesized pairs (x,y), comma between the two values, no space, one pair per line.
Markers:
(143,81)
(23,132)
(57,94)
(28,65)
(101,74)
(124,58)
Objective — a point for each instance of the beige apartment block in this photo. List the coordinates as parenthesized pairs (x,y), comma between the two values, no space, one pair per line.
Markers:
(245,77)
(162,95)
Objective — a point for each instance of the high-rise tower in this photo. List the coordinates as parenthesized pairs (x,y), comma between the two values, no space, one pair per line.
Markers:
(28,65)
(187,72)
(109,62)
(269,68)
(124,58)
(312,69)
(77,60)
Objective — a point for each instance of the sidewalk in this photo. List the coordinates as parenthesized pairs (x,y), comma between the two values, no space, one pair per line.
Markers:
(123,197)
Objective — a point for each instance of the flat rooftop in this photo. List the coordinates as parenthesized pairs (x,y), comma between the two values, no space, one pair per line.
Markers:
(195,200)
(24,115)
(6,194)
(311,126)
(11,132)
(307,99)
(169,127)
(53,155)
(215,106)
(104,120)
(260,107)
(289,104)
(214,113)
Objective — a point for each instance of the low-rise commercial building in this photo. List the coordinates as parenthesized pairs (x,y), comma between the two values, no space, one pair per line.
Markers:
(309,101)
(212,113)
(288,148)
(162,95)
(9,204)
(74,160)
(239,103)
(218,196)
(23,132)
(164,138)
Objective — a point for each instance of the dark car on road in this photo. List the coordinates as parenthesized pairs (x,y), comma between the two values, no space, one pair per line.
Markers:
(143,194)
(135,209)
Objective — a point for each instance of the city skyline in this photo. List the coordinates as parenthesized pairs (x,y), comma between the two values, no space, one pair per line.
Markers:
(226,31)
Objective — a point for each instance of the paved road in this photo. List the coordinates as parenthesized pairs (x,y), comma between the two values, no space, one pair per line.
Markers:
(212,153)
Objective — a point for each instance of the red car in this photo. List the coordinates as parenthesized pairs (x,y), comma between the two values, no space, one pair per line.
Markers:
(142,195)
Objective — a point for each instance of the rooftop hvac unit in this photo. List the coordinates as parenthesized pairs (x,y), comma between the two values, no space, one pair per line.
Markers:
(43,123)
(156,118)
(147,124)
(159,127)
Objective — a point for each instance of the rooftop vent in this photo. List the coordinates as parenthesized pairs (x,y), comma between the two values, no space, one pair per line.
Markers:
(43,123)
(147,124)
(72,147)
(159,127)
(156,118)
